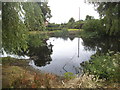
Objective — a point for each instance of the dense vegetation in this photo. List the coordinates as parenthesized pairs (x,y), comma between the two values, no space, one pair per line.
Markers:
(104,66)
(71,24)
(109,19)
(18,19)
(110,14)
(14,31)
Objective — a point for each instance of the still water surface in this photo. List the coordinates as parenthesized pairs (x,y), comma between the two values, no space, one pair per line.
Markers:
(66,56)
(60,55)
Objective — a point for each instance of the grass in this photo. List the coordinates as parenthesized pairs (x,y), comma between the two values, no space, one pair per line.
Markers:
(74,29)
(49,32)
(18,74)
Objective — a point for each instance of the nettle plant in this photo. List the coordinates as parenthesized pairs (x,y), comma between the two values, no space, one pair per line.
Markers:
(104,66)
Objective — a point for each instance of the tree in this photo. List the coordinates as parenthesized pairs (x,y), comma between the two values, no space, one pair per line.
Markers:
(45,10)
(72,20)
(93,25)
(18,18)
(89,17)
(71,23)
(14,32)
(79,24)
(110,13)
(34,16)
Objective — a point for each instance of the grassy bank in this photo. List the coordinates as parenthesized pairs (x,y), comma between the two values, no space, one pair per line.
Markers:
(68,32)
(63,32)
(16,73)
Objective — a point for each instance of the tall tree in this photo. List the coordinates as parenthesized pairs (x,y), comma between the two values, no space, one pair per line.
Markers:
(71,23)
(34,16)
(14,32)
(89,17)
(17,19)
(72,20)
(45,10)
(110,13)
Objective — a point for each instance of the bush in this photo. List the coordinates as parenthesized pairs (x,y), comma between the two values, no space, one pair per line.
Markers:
(62,33)
(94,25)
(69,75)
(104,66)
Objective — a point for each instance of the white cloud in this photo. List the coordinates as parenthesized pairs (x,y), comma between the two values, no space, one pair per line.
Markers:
(63,10)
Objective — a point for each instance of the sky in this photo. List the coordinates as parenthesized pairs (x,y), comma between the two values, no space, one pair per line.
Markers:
(63,10)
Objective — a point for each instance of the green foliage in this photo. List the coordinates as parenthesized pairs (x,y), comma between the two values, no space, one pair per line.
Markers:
(36,40)
(93,28)
(53,26)
(71,23)
(89,17)
(18,19)
(69,75)
(63,33)
(104,66)
(78,24)
(14,32)
(109,11)
(34,16)
(85,34)
(72,20)
(45,10)
(93,25)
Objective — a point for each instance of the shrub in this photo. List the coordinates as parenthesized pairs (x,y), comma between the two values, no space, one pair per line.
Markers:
(104,66)
(62,33)
(69,75)
(94,25)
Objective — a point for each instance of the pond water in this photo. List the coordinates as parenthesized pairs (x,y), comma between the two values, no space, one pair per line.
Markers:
(61,55)
(66,56)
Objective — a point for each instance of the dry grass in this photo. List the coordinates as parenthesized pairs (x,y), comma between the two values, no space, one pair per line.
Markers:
(18,74)
(81,82)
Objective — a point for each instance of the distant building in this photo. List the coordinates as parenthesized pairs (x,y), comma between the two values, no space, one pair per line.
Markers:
(46,23)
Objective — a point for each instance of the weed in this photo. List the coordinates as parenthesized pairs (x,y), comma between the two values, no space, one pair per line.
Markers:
(69,75)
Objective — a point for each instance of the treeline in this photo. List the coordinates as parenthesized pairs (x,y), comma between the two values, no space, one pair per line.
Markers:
(71,24)
(108,24)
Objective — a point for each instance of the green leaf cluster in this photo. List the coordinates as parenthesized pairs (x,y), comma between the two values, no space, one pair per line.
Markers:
(69,75)
(110,13)
(14,32)
(94,25)
(105,66)
(18,18)
(33,17)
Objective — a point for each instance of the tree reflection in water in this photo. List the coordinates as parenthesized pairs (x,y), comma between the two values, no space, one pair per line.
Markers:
(102,45)
(40,55)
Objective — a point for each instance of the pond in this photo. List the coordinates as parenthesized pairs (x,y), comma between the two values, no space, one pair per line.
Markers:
(62,55)
(66,56)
